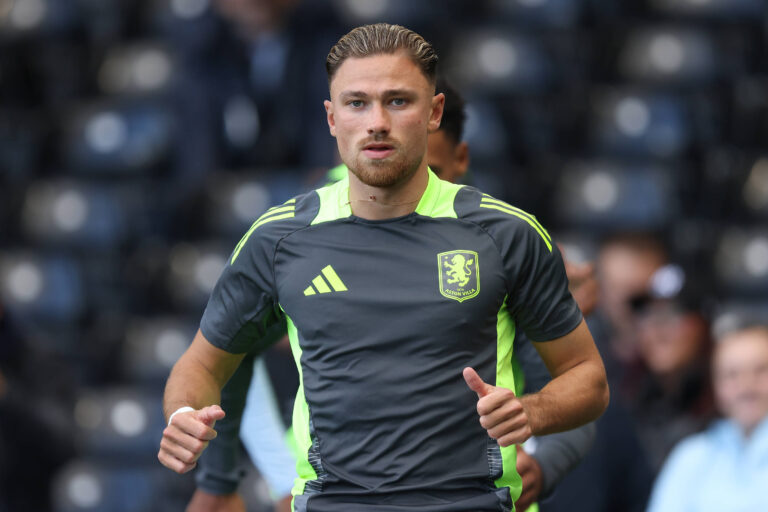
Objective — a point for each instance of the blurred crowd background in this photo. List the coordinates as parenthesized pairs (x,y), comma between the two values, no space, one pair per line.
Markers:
(140,138)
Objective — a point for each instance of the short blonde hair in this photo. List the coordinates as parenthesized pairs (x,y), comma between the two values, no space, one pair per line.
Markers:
(383,38)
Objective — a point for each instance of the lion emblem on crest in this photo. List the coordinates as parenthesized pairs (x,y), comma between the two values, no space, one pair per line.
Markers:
(459,270)
(459,273)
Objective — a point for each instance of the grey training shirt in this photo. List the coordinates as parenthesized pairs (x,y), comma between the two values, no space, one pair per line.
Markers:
(383,316)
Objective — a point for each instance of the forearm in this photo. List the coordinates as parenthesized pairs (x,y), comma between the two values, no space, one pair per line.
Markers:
(189,385)
(578,392)
(219,470)
(574,398)
(197,378)
(558,454)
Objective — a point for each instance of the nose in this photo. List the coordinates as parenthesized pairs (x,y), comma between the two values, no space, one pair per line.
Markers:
(378,123)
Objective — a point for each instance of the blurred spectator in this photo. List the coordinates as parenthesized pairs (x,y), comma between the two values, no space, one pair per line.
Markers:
(36,433)
(726,467)
(249,85)
(625,263)
(673,399)
(616,474)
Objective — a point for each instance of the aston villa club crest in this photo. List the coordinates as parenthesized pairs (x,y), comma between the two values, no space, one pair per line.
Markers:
(459,274)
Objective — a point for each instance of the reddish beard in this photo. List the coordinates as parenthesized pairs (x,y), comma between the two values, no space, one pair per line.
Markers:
(384,173)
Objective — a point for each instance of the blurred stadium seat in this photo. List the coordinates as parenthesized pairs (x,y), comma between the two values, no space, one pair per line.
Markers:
(500,62)
(716,10)
(37,17)
(611,195)
(91,485)
(118,137)
(194,270)
(485,132)
(184,19)
(669,55)
(755,191)
(120,422)
(538,13)
(153,345)
(741,261)
(41,287)
(69,213)
(234,202)
(403,12)
(138,68)
(635,123)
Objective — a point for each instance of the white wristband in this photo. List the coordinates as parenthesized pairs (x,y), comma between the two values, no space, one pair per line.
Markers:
(186,408)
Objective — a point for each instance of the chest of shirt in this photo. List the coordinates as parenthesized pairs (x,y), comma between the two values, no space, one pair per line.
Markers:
(431,275)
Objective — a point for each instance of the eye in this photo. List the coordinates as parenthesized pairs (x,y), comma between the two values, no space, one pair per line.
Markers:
(355,103)
(398,102)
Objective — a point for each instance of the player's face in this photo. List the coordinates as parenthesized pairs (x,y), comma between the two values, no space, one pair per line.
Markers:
(740,377)
(447,158)
(381,110)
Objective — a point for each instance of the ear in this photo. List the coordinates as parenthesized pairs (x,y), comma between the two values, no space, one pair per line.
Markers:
(329,116)
(436,112)
(461,155)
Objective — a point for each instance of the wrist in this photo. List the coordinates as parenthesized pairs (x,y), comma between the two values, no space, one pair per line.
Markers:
(186,408)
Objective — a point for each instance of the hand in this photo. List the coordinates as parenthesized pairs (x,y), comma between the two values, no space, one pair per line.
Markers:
(582,284)
(205,502)
(533,480)
(187,436)
(501,412)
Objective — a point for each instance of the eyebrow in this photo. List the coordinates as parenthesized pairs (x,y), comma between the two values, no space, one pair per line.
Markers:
(387,93)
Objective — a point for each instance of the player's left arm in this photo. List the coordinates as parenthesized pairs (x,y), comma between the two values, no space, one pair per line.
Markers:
(546,461)
(578,392)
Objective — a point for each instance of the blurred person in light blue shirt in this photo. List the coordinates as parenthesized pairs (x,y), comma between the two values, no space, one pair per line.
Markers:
(725,467)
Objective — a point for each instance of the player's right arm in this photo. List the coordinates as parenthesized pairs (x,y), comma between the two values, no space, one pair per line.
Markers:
(195,381)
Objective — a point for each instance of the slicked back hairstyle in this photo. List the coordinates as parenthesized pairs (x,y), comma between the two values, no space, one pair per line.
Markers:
(453,111)
(382,38)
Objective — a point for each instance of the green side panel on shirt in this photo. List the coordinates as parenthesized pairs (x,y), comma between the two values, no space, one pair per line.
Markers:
(334,202)
(505,377)
(301,435)
(438,198)
(517,369)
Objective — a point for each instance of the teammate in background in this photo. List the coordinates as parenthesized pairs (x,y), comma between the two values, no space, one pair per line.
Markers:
(219,475)
(382,417)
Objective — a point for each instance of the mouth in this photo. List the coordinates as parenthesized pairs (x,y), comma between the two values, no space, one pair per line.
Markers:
(378,150)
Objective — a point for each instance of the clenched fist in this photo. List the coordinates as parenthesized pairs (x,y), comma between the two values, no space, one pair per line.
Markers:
(185,438)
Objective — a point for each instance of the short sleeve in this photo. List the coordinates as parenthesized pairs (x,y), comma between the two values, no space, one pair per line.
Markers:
(539,299)
(243,304)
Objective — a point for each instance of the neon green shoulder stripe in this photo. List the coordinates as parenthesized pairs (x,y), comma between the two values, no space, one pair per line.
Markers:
(438,198)
(284,211)
(491,200)
(334,202)
(516,212)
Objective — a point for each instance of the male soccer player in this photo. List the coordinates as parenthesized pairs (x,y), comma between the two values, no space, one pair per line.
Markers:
(219,472)
(393,283)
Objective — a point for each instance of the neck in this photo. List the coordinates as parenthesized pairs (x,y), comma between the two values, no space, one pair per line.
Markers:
(375,203)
